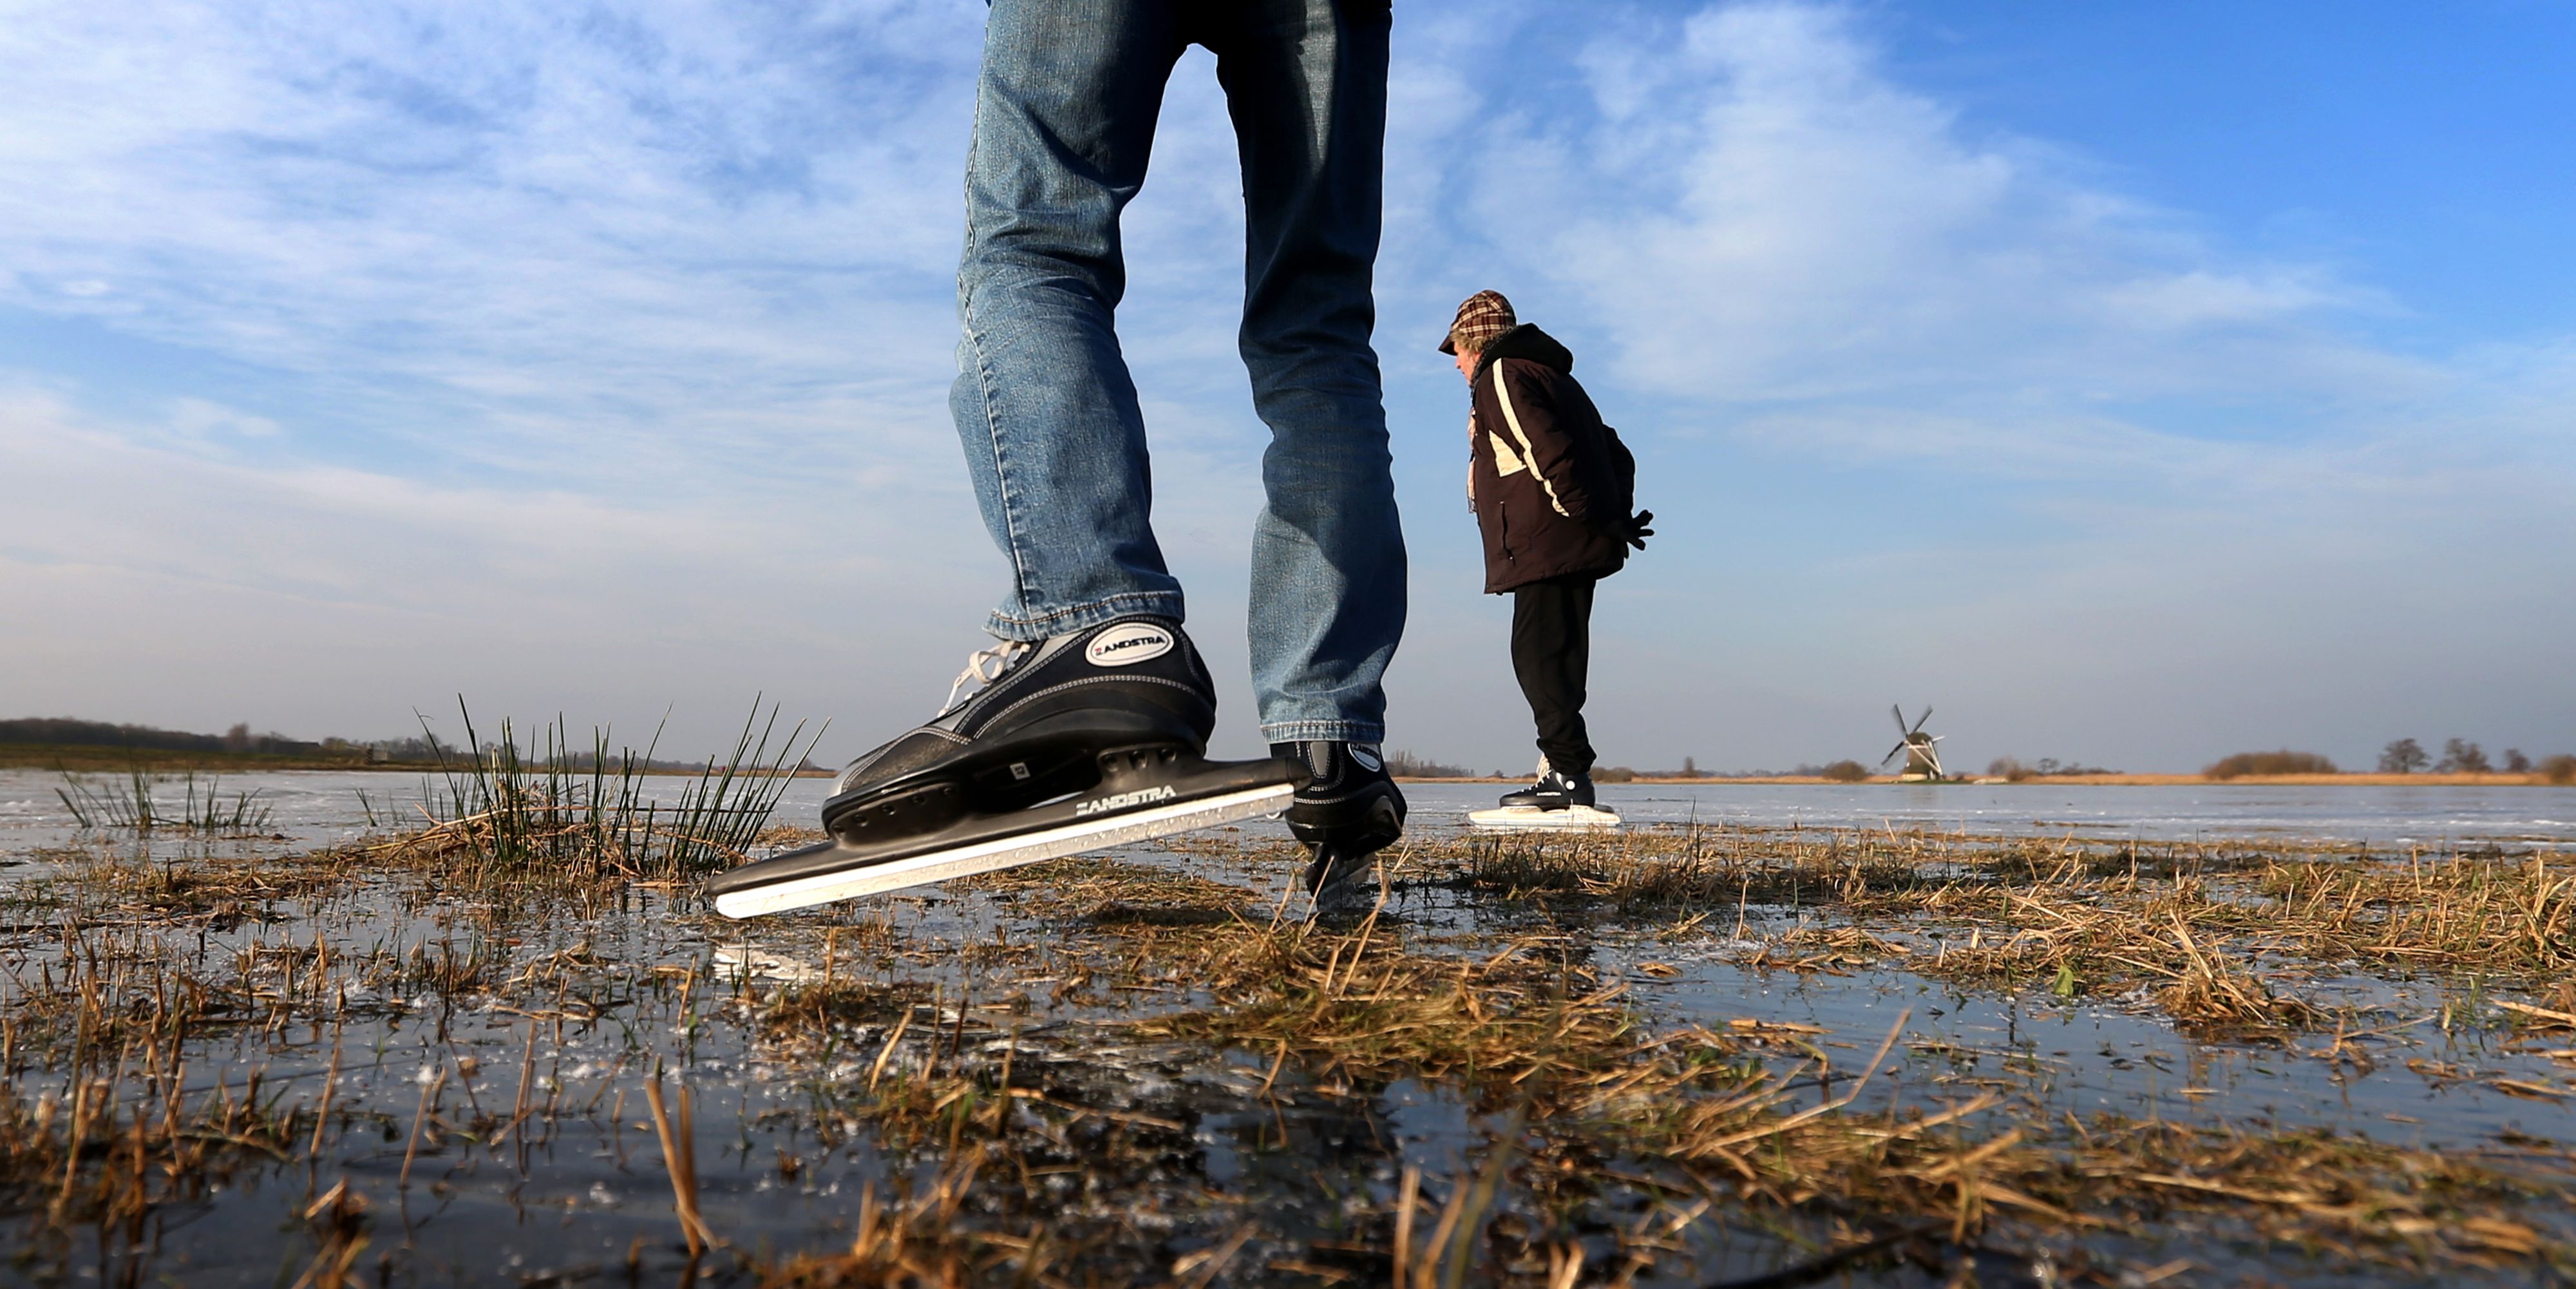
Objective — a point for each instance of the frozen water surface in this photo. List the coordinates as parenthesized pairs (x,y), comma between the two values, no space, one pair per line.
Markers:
(1211,1136)
(321,806)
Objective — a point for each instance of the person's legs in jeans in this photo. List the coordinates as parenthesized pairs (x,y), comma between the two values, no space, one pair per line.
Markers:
(1044,405)
(1305,82)
(1551,655)
(1055,446)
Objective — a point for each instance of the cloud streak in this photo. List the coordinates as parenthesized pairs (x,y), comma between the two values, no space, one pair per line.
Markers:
(525,239)
(1753,213)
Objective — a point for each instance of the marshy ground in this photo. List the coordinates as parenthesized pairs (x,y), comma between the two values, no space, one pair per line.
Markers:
(1678,1056)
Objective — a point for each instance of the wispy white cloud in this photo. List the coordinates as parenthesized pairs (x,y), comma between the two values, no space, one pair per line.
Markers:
(1750,209)
(576,235)
(197,418)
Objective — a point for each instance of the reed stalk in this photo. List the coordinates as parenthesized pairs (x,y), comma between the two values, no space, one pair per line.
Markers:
(555,809)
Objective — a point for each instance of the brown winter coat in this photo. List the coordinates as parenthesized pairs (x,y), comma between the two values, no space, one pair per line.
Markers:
(1544,474)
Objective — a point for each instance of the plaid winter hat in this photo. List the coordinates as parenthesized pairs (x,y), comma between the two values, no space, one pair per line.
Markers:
(1485,315)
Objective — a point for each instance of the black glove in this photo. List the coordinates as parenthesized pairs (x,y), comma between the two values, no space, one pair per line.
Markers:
(1634,531)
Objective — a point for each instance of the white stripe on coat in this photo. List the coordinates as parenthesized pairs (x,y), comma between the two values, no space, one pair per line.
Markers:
(1503,392)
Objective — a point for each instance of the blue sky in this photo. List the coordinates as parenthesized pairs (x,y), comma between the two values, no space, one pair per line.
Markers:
(2135,383)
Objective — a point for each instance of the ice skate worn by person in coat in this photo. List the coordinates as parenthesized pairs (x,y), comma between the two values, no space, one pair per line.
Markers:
(1552,488)
(1554,790)
(1091,724)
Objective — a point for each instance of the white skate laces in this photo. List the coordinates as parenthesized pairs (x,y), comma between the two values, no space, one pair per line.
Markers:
(983,667)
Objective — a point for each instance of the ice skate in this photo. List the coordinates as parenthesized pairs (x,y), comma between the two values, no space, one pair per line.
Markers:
(1533,819)
(1088,740)
(1554,790)
(1557,800)
(1348,810)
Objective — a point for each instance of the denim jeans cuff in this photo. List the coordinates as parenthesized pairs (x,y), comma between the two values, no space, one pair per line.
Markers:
(1081,617)
(1323,732)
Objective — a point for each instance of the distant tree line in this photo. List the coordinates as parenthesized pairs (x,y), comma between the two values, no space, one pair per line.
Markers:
(77,733)
(1405,765)
(64,731)
(2284,761)
(2460,756)
(2403,756)
(2011,769)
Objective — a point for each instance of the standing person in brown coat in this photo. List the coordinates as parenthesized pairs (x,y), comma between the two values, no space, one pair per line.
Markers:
(1552,488)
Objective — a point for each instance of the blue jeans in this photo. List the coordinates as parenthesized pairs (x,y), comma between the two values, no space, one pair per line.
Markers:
(1064,122)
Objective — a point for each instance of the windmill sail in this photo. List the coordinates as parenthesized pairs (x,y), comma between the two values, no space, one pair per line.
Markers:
(1922,760)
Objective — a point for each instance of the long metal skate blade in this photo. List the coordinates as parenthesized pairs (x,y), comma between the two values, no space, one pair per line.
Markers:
(1533,819)
(1007,852)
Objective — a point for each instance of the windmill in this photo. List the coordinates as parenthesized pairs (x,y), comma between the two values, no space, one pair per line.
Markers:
(1922,760)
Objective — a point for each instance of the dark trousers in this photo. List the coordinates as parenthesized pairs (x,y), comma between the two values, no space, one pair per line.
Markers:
(1551,653)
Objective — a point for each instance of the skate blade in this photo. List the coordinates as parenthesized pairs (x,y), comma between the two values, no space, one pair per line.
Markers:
(1007,852)
(1533,819)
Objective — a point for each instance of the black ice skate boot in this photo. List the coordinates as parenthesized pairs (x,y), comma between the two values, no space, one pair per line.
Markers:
(1555,790)
(1091,739)
(1347,812)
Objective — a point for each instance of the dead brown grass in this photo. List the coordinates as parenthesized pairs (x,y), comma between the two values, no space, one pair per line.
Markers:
(127,1137)
(1573,1061)
(1578,1090)
(2208,931)
(1110,890)
(909,1240)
